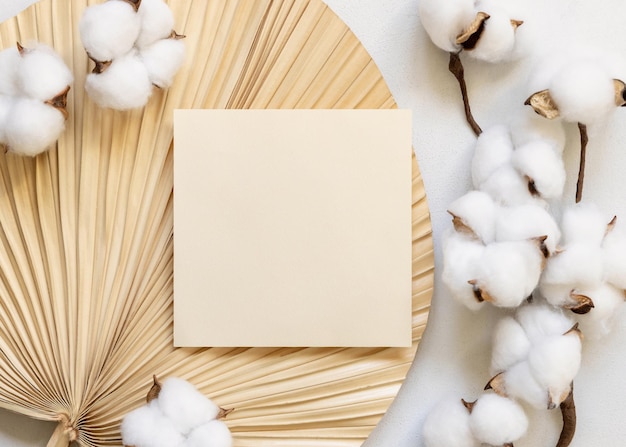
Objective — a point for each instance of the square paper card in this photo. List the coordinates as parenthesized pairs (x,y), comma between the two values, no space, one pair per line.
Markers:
(292,228)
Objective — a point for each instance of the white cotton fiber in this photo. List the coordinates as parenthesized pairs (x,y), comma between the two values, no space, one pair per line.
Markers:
(508,187)
(510,345)
(157,22)
(461,258)
(519,383)
(42,74)
(108,30)
(540,321)
(497,41)
(541,164)
(583,92)
(583,223)
(124,85)
(528,126)
(516,223)
(476,210)
(598,322)
(614,254)
(212,434)
(579,266)
(33,126)
(162,60)
(9,62)
(509,271)
(444,21)
(148,427)
(6,108)
(186,407)
(447,425)
(492,151)
(496,420)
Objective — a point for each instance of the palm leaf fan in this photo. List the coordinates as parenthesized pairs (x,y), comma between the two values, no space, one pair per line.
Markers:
(86,239)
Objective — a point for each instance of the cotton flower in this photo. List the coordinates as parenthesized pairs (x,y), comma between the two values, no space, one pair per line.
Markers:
(9,63)
(157,22)
(108,30)
(542,167)
(32,126)
(214,433)
(41,73)
(162,60)
(516,223)
(448,425)
(124,85)
(147,426)
(496,420)
(475,213)
(493,150)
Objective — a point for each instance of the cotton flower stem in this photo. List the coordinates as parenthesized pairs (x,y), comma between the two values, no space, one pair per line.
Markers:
(456,68)
(584,139)
(568,411)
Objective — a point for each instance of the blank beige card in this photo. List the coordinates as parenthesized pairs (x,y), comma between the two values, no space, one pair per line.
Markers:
(292,228)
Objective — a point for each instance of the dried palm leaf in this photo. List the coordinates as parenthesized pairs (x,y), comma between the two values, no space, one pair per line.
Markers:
(86,239)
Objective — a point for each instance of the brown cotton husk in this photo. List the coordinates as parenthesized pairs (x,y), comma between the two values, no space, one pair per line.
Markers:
(174,35)
(496,383)
(543,104)
(134,3)
(59,102)
(568,412)
(479,293)
(580,304)
(541,244)
(461,227)
(468,405)
(470,35)
(456,68)
(516,23)
(611,225)
(620,92)
(154,391)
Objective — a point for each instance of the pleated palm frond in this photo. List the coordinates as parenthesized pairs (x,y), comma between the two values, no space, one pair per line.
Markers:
(86,238)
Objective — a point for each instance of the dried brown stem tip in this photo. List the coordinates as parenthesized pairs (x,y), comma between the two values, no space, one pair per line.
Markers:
(568,412)
(584,139)
(155,390)
(456,68)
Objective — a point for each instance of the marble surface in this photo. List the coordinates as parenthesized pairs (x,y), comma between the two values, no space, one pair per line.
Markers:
(454,354)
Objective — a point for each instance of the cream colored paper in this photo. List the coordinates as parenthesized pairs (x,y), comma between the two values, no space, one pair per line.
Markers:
(292,228)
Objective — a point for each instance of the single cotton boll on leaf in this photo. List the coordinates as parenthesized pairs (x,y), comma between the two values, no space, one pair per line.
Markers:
(212,434)
(32,127)
(516,223)
(445,20)
(474,213)
(497,41)
(157,22)
(148,427)
(162,60)
(461,257)
(510,345)
(583,223)
(186,407)
(614,253)
(493,150)
(9,62)
(108,30)
(542,167)
(496,420)
(598,322)
(42,74)
(540,321)
(448,425)
(123,85)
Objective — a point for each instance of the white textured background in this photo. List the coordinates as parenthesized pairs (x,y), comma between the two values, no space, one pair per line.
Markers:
(454,354)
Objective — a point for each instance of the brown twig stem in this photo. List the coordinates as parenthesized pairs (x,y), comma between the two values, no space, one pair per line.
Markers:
(584,139)
(568,412)
(456,68)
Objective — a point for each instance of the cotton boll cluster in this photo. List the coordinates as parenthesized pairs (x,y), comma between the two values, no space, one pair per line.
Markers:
(491,419)
(34,82)
(587,275)
(178,416)
(484,29)
(134,47)
(535,356)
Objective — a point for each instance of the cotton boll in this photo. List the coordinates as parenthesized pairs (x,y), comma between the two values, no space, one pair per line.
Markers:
(583,92)
(123,85)
(614,254)
(162,60)
(583,223)
(157,22)
(461,257)
(6,108)
(186,407)
(448,425)
(212,434)
(475,211)
(517,382)
(148,427)
(9,62)
(598,322)
(493,150)
(540,321)
(516,223)
(32,127)
(538,162)
(108,30)
(528,126)
(497,41)
(510,345)
(509,272)
(507,187)
(42,74)
(444,21)
(497,420)
(578,266)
